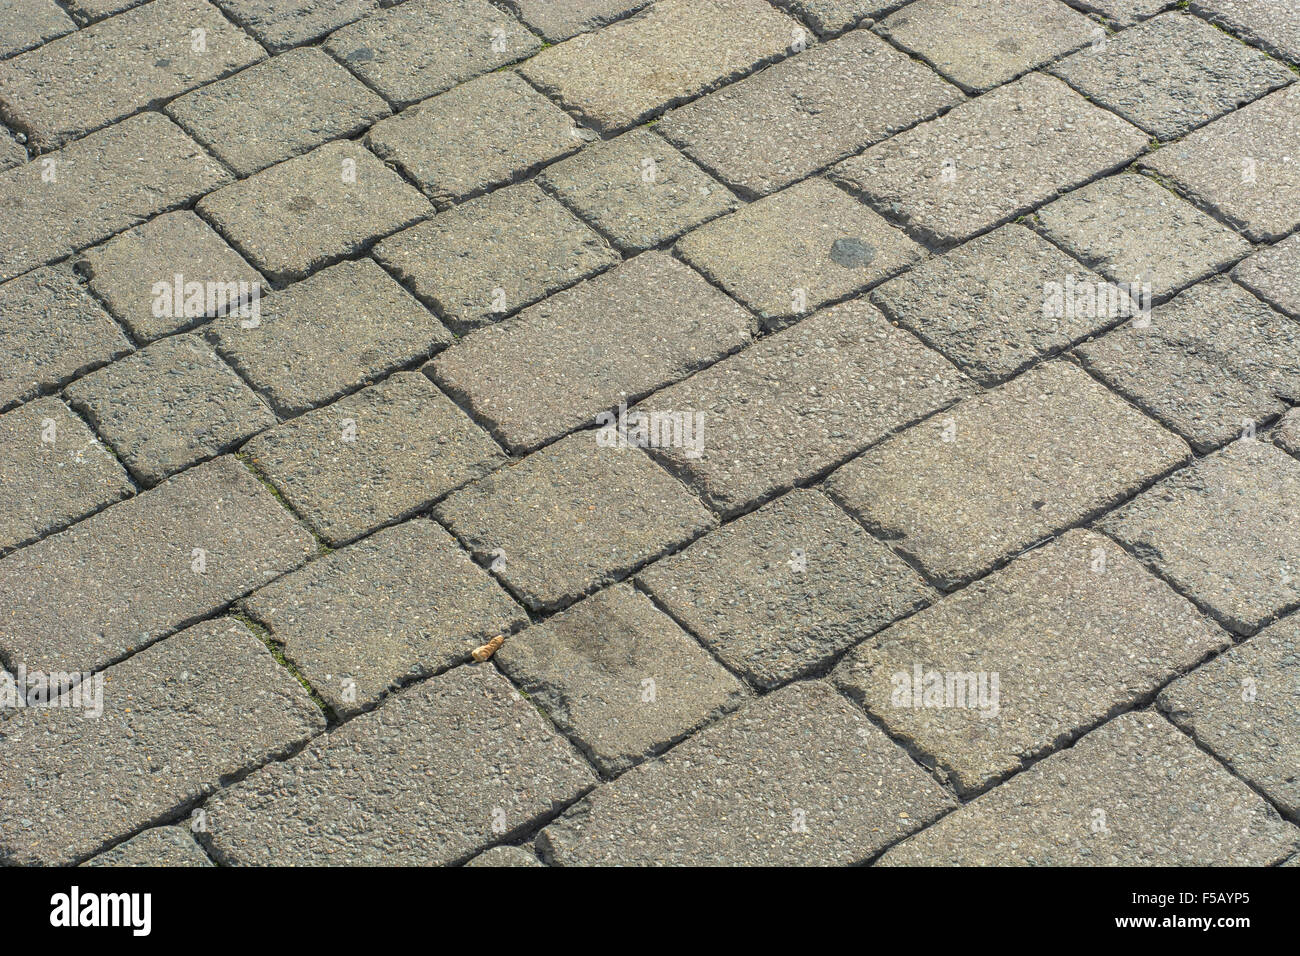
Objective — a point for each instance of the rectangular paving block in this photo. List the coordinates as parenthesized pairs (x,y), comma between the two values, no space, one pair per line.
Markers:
(630,71)
(1242,166)
(281,24)
(1223,532)
(404,51)
(483,134)
(28,23)
(374,457)
(550,370)
(803,114)
(988,304)
(135,275)
(313,210)
(141,57)
(342,328)
(991,159)
(402,604)
(1136,792)
(278,109)
(1020,664)
(560,19)
(1141,235)
(432,777)
(56,471)
(1244,707)
(978,48)
(159,846)
(1210,364)
(797,403)
(797,250)
(834,16)
(800,777)
(133,573)
(781,592)
(571,518)
(170,732)
(487,258)
(1172,73)
(637,189)
(999,472)
(1273,274)
(89,190)
(169,406)
(1271,24)
(619,676)
(51,330)
(88,11)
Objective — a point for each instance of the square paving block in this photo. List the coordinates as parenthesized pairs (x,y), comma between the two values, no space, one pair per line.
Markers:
(281,24)
(782,592)
(1124,13)
(999,472)
(1273,274)
(795,251)
(834,16)
(30,23)
(169,406)
(618,675)
(374,457)
(488,258)
(573,517)
(1223,532)
(1271,24)
(560,19)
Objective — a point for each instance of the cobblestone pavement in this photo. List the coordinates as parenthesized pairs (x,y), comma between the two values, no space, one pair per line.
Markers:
(563,432)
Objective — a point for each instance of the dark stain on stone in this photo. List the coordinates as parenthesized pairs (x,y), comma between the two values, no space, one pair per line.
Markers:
(852,253)
(362,55)
(301,204)
(1008,45)
(164,62)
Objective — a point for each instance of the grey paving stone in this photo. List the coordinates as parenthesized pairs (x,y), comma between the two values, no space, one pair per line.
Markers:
(573,517)
(1001,471)
(833,16)
(628,72)
(1035,655)
(1136,792)
(1273,274)
(800,777)
(978,49)
(313,210)
(987,304)
(1287,433)
(797,250)
(506,856)
(98,75)
(1138,233)
(1243,166)
(1172,73)
(1123,12)
(404,52)
(280,24)
(278,109)
(55,472)
(550,370)
(373,457)
(1245,708)
(618,675)
(51,330)
(1223,532)
(170,732)
(794,118)
(343,327)
(991,159)
(483,134)
(124,271)
(489,257)
(85,11)
(638,190)
(128,575)
(28,23)
(1271,24)
(404,603)
(169,406)
(799,402)
(89,190)
(1212,362)
(12,153)
(560,19)
(780,593)
(433,776)
(160,846)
